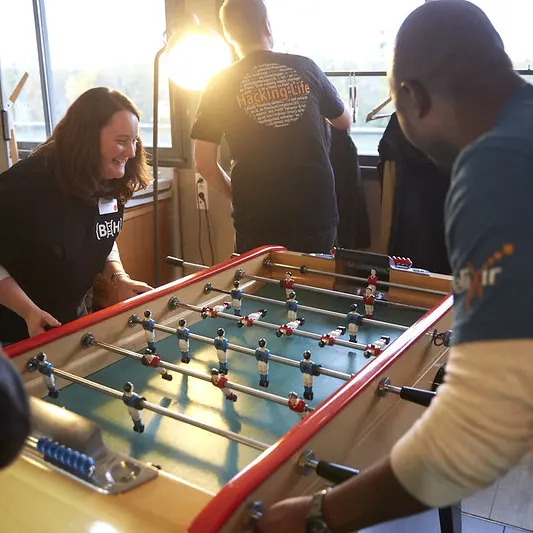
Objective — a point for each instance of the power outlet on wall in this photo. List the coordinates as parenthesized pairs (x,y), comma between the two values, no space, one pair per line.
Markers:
(201,193)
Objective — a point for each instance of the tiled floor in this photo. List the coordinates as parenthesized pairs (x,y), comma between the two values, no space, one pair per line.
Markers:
(428,523)
(476,525)
(509,501)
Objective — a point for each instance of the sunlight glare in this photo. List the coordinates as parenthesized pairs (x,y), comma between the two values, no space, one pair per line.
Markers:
(195,58)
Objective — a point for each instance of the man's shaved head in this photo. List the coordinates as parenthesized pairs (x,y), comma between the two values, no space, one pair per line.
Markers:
(448,58)
(447,45)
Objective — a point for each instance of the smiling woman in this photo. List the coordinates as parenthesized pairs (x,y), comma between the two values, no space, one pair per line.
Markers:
(118,143)
(94,142)
(80,178)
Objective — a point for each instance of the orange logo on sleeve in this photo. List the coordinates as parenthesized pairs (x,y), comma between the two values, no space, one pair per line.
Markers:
(475,280)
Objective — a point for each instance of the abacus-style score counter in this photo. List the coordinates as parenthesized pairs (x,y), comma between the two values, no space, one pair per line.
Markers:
(340,416)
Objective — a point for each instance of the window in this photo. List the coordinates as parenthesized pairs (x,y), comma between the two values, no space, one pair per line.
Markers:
(108,43)
(19,55)
(345,35)
(339,34)
(512,20)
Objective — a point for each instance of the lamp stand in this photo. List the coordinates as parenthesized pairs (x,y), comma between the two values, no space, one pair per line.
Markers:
(155,165)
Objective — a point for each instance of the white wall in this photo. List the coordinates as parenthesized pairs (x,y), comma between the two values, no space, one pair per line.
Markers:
(219,212)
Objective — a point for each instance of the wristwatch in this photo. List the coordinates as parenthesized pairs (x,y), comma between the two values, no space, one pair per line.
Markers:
(315,522)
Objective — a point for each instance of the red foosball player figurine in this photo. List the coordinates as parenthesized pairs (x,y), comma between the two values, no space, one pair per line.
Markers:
(149,358)
(212,312)
(368,300)
(289,327)
(249,320)
(287,283)
(219,380)
(376,348)
(298,405)
(329,338)
(373,280)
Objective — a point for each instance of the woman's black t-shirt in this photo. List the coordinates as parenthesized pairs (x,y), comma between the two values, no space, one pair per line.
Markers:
(51,243)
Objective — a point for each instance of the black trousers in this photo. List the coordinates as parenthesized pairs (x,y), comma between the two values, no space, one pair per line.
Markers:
(321,242)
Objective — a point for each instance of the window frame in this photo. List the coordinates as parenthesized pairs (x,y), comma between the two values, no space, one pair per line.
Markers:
(178,154)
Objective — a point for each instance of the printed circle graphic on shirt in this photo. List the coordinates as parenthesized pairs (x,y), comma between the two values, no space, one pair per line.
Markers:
(273,95)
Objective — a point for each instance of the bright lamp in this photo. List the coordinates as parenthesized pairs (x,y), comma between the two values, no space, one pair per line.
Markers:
(193,55)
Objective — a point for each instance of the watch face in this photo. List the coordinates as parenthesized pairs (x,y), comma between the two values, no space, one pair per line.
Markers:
(316,525)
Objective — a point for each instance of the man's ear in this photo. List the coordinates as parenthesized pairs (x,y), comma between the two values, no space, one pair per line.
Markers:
(268,31)
(418,96)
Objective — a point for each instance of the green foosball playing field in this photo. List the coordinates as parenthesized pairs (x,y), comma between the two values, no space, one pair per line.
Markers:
(203,458)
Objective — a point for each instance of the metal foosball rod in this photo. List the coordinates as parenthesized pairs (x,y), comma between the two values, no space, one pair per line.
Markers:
(144,404)
(88,341)
(410,394)
(240,274)
(305,270)
(268,325)
(248,351)
(208,288)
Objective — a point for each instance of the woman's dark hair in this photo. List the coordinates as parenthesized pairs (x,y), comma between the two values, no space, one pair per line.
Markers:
(73,150)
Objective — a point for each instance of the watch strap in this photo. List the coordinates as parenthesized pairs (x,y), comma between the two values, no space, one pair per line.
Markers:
(315,517)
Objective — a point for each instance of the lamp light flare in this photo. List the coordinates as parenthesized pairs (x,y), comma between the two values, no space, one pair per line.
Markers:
(195,58)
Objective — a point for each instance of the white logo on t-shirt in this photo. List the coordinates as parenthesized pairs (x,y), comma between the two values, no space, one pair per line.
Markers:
(273,95)
(108,228)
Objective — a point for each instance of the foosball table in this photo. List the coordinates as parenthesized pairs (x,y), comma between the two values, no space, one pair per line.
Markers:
(188,408)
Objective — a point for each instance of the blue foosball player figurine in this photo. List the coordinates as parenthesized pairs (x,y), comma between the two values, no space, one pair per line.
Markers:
(354,320)
(148,324)
(134,404)
(221,345)
(183,332)
(45,368)
(292,306)
(236,297)
(308,370)
(262,355)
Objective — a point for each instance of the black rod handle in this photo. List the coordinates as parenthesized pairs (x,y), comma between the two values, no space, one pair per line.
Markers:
(335,473)
(418,396)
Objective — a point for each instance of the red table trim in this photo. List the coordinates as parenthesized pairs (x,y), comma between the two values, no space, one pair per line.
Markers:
(216,513)
(33,343)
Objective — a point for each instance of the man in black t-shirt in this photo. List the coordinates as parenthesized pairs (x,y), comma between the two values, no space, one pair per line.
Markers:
(271,109)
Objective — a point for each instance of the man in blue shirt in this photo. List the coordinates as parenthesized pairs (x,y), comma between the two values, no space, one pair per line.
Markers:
(459,101)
